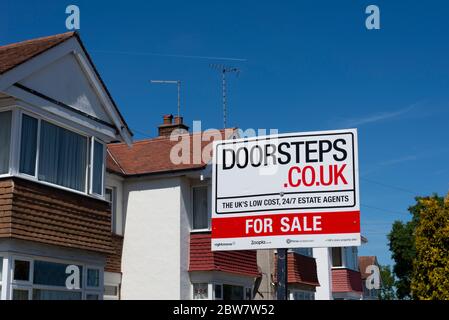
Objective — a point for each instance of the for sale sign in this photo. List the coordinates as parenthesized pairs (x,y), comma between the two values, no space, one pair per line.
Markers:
(286,191)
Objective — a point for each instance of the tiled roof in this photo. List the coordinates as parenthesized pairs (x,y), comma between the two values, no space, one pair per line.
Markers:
(15,54)
(300,270)
(203,259)
(154,155)
(364,262)
(346,280)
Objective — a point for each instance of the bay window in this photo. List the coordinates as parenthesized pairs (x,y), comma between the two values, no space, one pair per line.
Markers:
(51,153)
(5,140)
(42,279)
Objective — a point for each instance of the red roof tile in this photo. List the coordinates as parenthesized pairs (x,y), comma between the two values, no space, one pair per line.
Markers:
(346,280)
(154,155)
(364,262)
(203,259)
(15,54)
(300,270)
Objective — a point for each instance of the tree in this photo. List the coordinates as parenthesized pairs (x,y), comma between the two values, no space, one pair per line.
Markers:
(387,284)
(431,265)
(402,246)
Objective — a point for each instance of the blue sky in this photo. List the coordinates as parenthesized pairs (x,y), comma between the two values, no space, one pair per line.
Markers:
(306,65)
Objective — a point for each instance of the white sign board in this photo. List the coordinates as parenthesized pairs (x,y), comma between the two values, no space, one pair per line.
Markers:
(286,191)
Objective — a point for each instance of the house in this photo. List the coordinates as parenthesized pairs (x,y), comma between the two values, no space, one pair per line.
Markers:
(302,278)
(56,118)
(365,263)
(166,249)
(338,273)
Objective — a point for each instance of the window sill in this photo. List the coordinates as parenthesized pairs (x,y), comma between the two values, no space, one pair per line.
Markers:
(200,230)
(49,184)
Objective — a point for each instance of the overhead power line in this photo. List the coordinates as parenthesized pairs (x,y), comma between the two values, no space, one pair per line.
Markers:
(390,186)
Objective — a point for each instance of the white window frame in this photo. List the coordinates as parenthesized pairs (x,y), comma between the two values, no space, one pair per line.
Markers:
(11,140)
(21,287)
(109,297)
(114,208)
(213,291)
(100,278)
(30,286)
(209,291)
(16,133)
(343,258)
(209,208)
(86,293)
(29,282)
(92,141)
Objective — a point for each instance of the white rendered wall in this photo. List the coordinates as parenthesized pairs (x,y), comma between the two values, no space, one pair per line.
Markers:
(151,249)
(186,208)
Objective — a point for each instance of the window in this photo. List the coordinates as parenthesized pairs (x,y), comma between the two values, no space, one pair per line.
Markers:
(51,273)
(5,141)
(303,295)
(93,278)
(53,154)
(28,145)
(22,270)
(97,167)
(200,208)
(231,292)
(248,294)
(337,260)
(92,296)
(218,291)
(304,251)
(111,197)
(111,291)
(20,294)
(62,157)
(200,291)
(44,294)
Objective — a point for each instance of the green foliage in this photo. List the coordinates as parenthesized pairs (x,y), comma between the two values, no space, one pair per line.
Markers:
(430,278)
(387,284)
(402,247)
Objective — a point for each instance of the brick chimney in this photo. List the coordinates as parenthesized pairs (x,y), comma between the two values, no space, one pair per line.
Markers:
(168,126)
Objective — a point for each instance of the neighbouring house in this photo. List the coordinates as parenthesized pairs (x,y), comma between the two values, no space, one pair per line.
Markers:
(365,265)
(56,118)
(338,273)
(166,249)
(302,278)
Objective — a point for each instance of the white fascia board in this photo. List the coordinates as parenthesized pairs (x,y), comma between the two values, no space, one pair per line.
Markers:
(49,110)
(102,95)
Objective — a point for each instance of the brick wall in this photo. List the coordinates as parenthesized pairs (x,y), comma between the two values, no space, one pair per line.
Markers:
(114,260)
(35,212)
